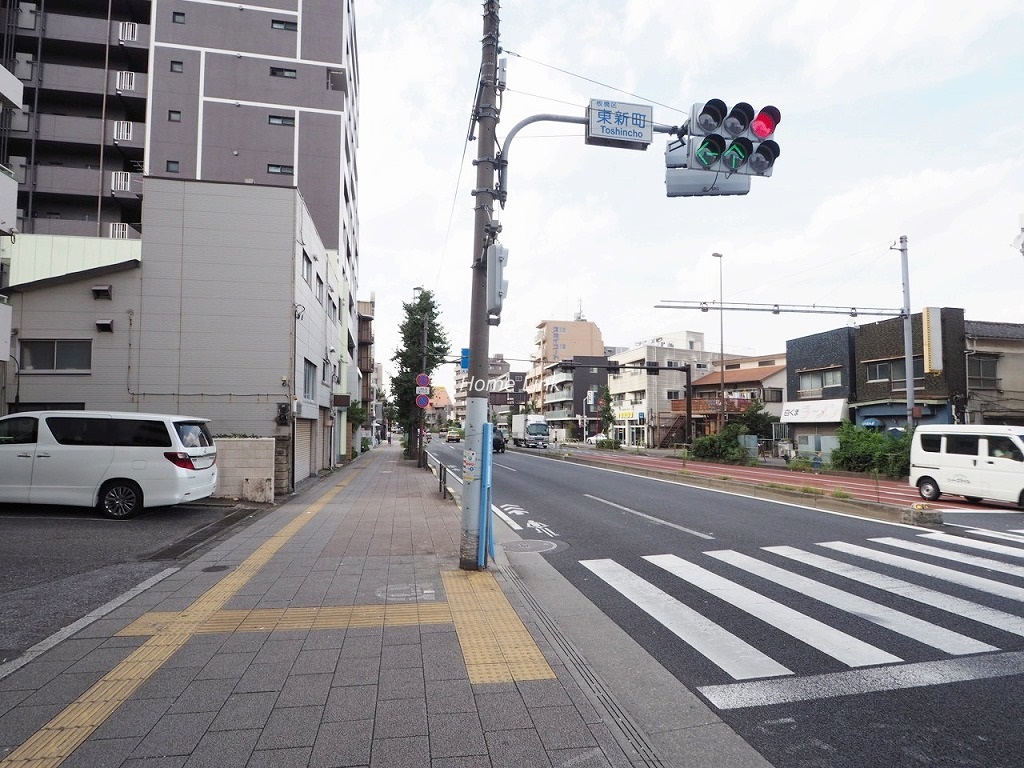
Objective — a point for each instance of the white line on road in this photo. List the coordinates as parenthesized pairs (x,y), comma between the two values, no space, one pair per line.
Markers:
(909,626)
(927,569)
(829,640)
(722,648)
(982,614)
(831,685)
(508,520)
(958,557)
(653,519)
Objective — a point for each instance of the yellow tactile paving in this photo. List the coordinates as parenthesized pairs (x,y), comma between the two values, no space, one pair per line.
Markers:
(54,742)
(495,644)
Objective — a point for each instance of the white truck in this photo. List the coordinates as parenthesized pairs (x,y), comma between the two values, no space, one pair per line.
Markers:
(530,430)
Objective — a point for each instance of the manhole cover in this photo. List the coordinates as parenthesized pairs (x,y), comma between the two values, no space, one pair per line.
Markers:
(215,569)
(530,545)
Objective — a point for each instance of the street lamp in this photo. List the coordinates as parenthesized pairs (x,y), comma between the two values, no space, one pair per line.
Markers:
(721,341)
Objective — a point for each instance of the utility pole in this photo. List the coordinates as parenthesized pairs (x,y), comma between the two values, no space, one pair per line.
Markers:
(908,332)
(484,230)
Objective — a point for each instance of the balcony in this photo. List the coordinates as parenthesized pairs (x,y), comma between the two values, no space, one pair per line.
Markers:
(704,406)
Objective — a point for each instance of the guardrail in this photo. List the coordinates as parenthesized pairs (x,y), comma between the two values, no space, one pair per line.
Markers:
(433,464)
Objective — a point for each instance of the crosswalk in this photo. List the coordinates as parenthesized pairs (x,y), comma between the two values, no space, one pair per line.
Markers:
(837,617)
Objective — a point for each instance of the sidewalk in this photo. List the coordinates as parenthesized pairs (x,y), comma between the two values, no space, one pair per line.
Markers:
(336,631)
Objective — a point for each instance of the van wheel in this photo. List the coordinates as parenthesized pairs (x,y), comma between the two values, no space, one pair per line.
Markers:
(120,499)
(928,489)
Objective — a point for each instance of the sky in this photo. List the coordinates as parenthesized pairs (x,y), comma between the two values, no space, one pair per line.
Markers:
(897,119)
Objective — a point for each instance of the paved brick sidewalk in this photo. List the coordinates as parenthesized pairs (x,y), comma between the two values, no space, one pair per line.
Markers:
(335,631)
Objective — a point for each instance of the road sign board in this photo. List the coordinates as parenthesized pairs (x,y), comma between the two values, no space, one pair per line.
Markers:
(422,380)
(617,124)
(422,390)
(422,401)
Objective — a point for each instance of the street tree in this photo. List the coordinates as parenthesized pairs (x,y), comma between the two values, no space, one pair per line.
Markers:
(605,412)
(425,346)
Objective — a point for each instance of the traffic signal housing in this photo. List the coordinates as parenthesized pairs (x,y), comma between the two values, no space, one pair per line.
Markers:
(497,286)
(733,141)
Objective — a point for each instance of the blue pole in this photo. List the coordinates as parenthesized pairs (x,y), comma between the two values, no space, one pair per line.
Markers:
(485,497)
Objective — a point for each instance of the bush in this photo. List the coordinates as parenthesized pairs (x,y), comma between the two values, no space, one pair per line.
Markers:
(607,445)
(365,445)
(864,450)
(724,446)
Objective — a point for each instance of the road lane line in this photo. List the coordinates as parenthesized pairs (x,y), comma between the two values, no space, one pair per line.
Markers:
(737,658)
(904,624)
(829,640)
(764,693)
(653,519)
(927,569)
(982,614)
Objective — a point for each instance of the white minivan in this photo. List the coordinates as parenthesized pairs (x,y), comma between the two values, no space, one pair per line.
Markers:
(116,462)
(974,461)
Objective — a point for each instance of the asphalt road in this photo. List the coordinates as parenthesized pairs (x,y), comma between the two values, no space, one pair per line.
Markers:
(822,639)
(58,564)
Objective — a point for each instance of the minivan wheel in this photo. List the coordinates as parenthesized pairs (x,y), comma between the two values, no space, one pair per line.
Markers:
(120,499)
(928,489)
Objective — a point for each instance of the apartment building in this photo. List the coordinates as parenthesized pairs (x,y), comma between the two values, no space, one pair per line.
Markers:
(555,341)
(121,94)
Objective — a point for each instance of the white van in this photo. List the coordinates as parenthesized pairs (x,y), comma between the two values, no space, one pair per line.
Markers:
(116,462)
(976,462)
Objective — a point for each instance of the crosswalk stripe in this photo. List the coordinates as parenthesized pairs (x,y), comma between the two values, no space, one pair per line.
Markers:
(737,658)
(988,546)
(839,645)
(927,569)
(897,621)
(931,597)
(959,557)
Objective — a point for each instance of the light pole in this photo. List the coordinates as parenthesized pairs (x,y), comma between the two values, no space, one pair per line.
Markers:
(721,341)
(416,293)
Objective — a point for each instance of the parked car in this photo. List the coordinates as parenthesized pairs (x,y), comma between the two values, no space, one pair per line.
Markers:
(119,463)
(498,442)
(453,436)
(595,439)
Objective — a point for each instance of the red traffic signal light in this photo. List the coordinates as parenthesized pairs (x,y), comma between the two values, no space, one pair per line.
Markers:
(763,126)
(735,141)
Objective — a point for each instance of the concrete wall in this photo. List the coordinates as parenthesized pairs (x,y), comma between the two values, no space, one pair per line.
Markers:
(245,468)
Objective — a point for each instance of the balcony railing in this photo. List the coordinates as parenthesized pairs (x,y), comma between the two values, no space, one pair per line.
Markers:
(711,405)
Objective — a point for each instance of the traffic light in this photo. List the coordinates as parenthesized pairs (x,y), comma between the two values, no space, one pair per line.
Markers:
(497,287)
(733,141)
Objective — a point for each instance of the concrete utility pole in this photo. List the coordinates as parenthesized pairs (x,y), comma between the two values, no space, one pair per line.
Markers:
(908,332)
(484,230)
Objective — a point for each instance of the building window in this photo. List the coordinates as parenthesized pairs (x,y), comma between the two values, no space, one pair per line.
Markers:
(672,394)
(332,310)
(291,26)
(177,66)
(307,268)
(283,170)
(309,380)
(319,289)
(281,120)
(56,355)
(878,372)
(173,166)
(178,17)
(174,115)
(898,372)
(982,372)
(772,396)
(283,72)
(325,370)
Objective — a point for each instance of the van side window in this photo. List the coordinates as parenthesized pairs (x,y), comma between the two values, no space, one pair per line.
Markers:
(140,432)
(18,431)
(193,434)
(931,443)
(1003,447)
(962,444)
(79,430)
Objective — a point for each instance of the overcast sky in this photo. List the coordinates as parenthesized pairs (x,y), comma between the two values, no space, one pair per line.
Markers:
(897,119)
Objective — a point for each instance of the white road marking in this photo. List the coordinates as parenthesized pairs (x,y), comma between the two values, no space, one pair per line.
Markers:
(763,693)
(910,626)
(927,569)
(653,519)
(982,614)
(960,541)
(738,659)
(839,645)
(959,557)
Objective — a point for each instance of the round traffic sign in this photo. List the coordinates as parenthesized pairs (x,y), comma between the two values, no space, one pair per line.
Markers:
(422,380)
(422,401)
